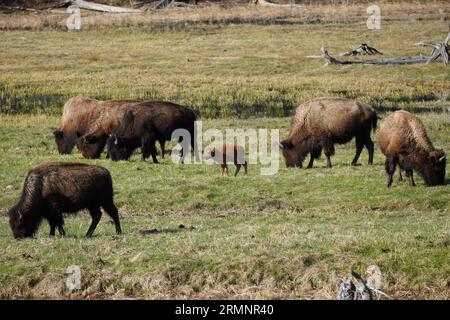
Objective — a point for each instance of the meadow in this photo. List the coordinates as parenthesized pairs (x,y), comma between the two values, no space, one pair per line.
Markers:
(189,233)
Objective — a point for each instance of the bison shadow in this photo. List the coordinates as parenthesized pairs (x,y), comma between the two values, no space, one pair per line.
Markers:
(180,228)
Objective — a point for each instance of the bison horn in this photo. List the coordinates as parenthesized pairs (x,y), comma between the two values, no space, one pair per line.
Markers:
(281,146)
(443,157)
(115,140)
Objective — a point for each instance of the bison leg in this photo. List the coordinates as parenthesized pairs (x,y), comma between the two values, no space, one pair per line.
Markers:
(238,167)
(61,231)
(96,214)
(311,162)
(162,144)
(112,211)
(399,170)
(55,219)
(328,149)
(52,230)
(153,152)
(370,148)
(359,148)
(245,167)
(409,174)
(390,169)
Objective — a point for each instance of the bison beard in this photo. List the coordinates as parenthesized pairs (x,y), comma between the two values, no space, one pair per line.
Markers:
(55,188)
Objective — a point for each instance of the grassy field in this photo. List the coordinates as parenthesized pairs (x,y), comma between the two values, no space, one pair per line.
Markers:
(225,70)
(292,235)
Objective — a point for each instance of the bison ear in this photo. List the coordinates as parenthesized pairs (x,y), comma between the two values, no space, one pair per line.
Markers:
(286,144)
(58,134)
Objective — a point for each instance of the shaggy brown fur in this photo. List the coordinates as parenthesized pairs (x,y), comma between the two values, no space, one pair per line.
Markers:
(83,115)
(404,141)
(227,153)
(321,122)
(147,122)
(52,189)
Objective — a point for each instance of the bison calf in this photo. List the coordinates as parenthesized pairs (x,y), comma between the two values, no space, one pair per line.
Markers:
(320,123)
(404,141)
(52,189)
(227,153)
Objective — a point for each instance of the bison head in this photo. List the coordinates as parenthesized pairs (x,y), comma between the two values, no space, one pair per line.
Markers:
(434,170)
(118,148)
(64,142)
(22,225)
(90,146)
(293,154)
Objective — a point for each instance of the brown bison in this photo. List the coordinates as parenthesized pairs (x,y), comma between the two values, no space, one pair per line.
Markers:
(52,189)
(80,116)
(227,153)
(404,141)
(320,123)
(145,123)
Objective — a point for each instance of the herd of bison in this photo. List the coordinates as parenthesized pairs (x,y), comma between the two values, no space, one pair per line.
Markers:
(51,189)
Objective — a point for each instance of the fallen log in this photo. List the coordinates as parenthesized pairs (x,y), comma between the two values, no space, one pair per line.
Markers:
(402,60)
(99,7)
(14,9)
(265,3)
(440,53)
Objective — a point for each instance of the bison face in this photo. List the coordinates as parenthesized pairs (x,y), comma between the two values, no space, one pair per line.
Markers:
(291,154)
(118,148)
(21,226)
(64,142)
(91,146)
(434,173)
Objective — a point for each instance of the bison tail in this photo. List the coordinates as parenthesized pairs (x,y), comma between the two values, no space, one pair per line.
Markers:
(374,122)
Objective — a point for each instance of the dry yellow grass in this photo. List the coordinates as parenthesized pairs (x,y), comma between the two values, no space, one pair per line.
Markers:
(213,13)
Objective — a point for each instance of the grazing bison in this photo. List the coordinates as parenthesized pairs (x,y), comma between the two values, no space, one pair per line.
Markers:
(83,115)
(147,122)
(227,153)
(404,141)
(52,189)
(320,123)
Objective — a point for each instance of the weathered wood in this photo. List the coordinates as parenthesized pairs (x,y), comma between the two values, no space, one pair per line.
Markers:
(363,49)
(403,60)
(440,50)
(265,3)
(100,7)
(19,9)
(440,53)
